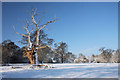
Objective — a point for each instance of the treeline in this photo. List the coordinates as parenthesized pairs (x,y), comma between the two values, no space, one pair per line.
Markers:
(12,53)
(106,56)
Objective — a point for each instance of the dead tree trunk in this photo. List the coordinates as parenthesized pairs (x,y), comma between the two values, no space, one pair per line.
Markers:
(31,55)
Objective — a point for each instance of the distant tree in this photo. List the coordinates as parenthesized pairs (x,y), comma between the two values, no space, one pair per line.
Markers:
(45,55)
(92,58)
(116,56)
(57,58)
(81,55)
(81,59)
(69,57)
(61,49)
(10,52)
(106,55)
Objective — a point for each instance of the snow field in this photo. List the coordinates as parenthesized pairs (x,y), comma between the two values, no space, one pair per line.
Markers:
(66,70)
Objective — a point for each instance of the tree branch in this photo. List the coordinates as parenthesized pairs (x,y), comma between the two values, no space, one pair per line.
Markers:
(40,20)
(36,24)
(35,11)
(34,20)
(47,46)
(27,23)
(26,30)
(32,29)
(19,33)
(43,26)
(28,12)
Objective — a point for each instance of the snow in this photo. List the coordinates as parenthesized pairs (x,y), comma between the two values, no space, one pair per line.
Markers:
(80,70)
(36,55)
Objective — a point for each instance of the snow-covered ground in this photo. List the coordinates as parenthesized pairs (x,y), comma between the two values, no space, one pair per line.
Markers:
(87,70)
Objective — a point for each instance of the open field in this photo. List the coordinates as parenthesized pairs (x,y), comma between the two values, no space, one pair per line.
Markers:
(92,70)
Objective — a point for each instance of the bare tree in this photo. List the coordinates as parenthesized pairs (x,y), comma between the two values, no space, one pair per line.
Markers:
(69,57)
(10,52)
(116,57)
(106,54)
(32,49)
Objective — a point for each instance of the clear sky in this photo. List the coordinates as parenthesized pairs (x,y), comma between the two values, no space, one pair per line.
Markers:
(84,26)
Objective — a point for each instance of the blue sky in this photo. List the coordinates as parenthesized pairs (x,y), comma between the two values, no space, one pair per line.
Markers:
(84,26)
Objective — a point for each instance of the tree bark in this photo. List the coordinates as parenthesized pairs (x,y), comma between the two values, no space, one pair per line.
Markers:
(31,55)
